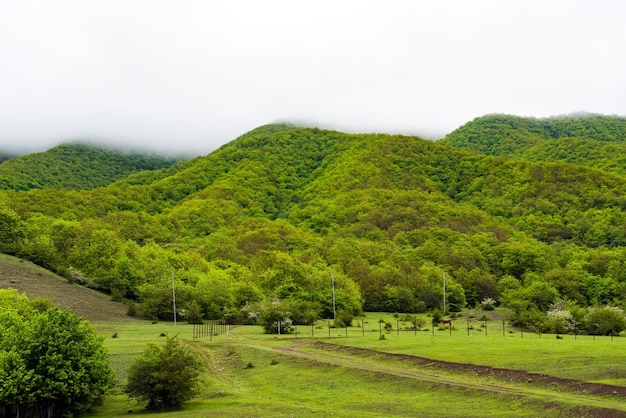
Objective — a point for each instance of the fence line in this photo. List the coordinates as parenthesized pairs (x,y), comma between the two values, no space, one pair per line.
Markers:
(211,328)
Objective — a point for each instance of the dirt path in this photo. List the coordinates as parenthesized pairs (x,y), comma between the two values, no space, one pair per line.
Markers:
(596,399)
(493,372)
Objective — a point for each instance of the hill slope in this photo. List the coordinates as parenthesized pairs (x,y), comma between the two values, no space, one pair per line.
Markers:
(279,211)
(75,166)
(37,282)
(584,139)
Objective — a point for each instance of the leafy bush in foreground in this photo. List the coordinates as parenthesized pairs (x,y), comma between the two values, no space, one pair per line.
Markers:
(52,363)
(164,376)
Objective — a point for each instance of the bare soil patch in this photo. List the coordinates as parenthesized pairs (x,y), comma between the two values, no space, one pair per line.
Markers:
(506,374)
(37,282)
(604,400)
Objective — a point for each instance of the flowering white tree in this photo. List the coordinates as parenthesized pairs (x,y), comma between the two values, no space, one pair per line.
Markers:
(488,304)
(561,321)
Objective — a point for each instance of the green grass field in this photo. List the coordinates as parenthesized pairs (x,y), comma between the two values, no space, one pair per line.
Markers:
(599,359)
(353,372)
(253,374)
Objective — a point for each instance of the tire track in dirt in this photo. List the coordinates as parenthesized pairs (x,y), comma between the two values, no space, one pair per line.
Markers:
(509,374)
(593,397)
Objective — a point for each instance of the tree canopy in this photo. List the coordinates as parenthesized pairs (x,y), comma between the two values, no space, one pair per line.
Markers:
(51,362)
(164,377)
(582,139)
(278,212)
(75,166)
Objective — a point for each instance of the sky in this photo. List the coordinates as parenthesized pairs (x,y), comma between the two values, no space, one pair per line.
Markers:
(188,76)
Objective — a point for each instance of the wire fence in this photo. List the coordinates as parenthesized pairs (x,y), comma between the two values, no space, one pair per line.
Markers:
(361,327)
(471,328)
(209,329)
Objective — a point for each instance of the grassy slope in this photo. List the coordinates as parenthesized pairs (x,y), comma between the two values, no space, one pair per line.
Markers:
(5,156)
(37,282)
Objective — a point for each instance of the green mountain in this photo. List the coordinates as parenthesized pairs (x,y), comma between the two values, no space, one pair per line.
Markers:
(75,166)
(280,210)
(582,139)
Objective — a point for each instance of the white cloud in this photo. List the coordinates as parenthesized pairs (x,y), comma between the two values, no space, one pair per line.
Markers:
(190,76)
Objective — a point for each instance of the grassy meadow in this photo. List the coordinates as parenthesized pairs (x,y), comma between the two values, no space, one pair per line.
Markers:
(353,372)
(600,359)
(253,374)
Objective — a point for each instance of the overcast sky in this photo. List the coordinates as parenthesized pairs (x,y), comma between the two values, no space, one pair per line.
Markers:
(188,76)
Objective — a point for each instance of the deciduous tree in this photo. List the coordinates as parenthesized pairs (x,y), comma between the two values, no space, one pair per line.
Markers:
(52,363)
(164,376)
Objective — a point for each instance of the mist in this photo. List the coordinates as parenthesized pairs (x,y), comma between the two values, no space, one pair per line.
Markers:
(186,78)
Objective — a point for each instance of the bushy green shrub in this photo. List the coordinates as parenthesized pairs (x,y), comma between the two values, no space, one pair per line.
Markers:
(164,376)
(343,319)
(605,320)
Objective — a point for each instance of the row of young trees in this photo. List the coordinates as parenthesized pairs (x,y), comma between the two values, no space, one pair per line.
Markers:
(567,317)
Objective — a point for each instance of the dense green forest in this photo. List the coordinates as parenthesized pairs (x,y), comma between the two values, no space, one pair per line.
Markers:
(275,215)
(586,139)
(75,166)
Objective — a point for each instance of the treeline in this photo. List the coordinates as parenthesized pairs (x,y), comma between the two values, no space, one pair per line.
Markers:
(75,166)
(272,217)
(583,139)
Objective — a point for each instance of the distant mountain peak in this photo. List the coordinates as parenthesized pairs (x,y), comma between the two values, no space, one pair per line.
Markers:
(76,165)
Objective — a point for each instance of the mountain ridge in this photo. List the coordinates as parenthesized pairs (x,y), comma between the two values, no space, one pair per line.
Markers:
(593,140)
(274,213)
(76,166)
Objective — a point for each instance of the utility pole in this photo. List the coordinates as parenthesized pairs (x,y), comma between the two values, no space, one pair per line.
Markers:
(444,292)
(333,284)
(174,297)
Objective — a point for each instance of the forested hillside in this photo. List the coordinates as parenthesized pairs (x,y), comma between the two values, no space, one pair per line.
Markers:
(75,166)
(278,212)
(584,139)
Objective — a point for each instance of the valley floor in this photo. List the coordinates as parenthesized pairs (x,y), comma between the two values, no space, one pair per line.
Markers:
(252,374)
